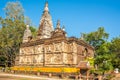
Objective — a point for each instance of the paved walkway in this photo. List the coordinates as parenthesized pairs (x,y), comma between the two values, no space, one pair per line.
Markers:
(28,76)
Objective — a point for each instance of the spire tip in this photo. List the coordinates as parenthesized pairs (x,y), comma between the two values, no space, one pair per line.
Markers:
(58,23)
(46,6)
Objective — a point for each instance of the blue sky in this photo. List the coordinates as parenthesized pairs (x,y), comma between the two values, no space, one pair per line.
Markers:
(76,15)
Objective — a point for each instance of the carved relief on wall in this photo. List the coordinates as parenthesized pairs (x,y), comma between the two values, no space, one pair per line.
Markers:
(48,49)
(70,58)
(28,50)
(35,59)
(48,58)
(57,59)
(57,47)
(53,59)
(39,49)
(28,60)
(40,58)
(23,60)
(65,60)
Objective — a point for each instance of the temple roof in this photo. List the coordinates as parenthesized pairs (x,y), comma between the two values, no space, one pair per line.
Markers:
(58,32)
(47,35)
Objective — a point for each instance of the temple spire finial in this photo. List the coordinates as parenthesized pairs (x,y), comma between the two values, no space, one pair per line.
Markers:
(46,6)
(58,24)
(63,28)
(82,37)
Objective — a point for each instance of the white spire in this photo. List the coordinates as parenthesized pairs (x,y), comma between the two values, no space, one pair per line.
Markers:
(46,7)
(46,25)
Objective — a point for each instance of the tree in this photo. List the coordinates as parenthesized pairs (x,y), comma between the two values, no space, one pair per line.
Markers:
(98,40)
(14,10)
(115,49)
(12,30)
(11,37)
(34,31)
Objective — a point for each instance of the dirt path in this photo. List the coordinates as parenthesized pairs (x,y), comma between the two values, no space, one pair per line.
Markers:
(7,76)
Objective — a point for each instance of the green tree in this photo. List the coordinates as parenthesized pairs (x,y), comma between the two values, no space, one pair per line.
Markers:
(11,37)
(34,31)
(115,50)
(98,40)
(11,32)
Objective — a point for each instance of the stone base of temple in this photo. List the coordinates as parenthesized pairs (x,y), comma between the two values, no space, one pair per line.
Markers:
(63,72)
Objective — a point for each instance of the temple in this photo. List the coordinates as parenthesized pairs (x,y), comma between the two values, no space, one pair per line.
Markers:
(52,47)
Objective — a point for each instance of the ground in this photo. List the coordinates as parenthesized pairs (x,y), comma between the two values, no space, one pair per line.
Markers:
(117,77)
(8,76)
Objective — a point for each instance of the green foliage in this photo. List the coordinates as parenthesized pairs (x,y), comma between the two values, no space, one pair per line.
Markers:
(34,31)
(98,40)
(2,60)
(91,60)
(107,54)
(10,38)
(115,49)
(11,31)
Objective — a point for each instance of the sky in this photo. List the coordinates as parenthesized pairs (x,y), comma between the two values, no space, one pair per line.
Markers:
(78,16)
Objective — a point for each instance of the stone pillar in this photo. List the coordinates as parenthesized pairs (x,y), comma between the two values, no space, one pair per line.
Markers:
(76,77)
(87,76)
(100,77)
(50,75)
(12,71)
(38,73)
(62,75)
